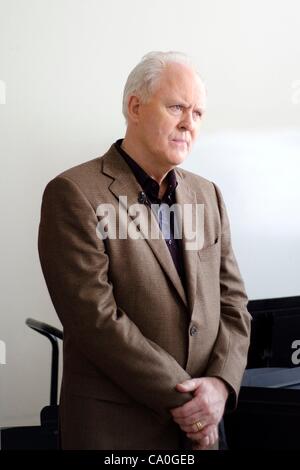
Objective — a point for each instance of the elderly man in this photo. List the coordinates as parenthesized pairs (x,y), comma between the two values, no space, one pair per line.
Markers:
(156,330)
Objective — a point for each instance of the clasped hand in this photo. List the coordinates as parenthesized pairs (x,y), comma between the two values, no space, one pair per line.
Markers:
(206,408)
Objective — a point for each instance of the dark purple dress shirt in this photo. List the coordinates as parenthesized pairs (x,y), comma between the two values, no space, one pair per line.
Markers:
(151,189)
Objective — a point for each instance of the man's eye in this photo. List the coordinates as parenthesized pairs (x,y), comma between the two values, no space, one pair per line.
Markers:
(176,107)
(198,114)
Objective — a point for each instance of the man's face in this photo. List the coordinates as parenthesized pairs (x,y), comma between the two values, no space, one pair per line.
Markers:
(168,124)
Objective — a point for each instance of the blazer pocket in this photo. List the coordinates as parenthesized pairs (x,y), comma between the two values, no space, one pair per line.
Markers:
(210,252)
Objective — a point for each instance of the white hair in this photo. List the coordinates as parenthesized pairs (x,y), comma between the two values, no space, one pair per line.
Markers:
(146,74)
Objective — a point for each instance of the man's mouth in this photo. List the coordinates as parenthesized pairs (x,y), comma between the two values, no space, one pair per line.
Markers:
(180,141)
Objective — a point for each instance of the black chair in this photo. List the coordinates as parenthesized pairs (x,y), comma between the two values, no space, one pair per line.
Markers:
(46,435)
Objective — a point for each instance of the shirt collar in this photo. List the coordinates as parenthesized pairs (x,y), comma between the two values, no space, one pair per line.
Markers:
(148,184)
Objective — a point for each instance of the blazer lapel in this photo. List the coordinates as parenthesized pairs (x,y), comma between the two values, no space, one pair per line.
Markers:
(184,195)
(124,184)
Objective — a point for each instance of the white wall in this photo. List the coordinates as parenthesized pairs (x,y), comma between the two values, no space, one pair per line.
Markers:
(259,174)
(63,64)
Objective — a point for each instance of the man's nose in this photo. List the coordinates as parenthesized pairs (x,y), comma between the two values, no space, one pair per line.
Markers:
(187,122)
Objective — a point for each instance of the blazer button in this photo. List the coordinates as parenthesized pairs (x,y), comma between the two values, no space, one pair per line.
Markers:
(193,330)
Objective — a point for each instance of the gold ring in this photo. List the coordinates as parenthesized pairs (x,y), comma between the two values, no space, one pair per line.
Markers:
(199,425)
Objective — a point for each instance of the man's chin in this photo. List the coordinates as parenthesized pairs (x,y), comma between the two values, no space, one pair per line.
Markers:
(178,158)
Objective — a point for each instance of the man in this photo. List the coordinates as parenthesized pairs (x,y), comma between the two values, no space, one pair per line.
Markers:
(156,331)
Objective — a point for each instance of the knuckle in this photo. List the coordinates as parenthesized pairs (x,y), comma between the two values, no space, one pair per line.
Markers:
(205,401)
(207,432)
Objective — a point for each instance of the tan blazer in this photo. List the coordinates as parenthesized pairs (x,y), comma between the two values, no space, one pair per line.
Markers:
(131,332)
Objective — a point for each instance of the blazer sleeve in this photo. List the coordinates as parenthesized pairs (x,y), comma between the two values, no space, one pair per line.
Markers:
(229,357)
(75,266)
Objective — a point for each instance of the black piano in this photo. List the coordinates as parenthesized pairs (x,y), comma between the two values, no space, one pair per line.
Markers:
(268,412)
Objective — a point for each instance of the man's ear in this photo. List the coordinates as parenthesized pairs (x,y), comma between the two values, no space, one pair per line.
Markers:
(133,109)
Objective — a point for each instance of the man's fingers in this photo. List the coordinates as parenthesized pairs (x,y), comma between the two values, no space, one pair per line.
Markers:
(190,421)
(189,425)
(197,436)
(191,407)
(202,445)
(207,441)
(188,385)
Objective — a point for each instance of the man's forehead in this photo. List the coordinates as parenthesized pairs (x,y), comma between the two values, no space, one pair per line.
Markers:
(181,82)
